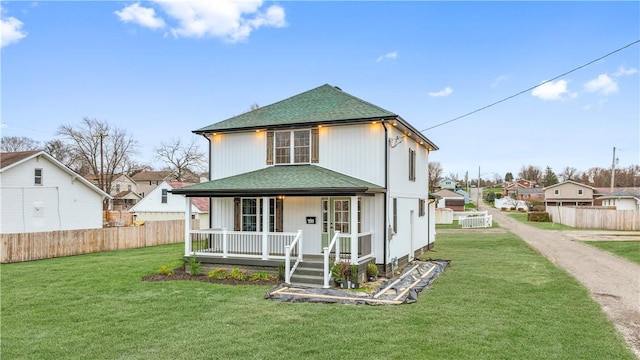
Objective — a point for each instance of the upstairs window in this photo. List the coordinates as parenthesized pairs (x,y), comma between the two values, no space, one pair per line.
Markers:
(117,188)
(129,187)
(579,191)
(164,196)
(37,179)
(412,165)
(292,147)
(556,192)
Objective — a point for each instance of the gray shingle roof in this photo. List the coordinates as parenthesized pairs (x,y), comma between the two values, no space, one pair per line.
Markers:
(282,180)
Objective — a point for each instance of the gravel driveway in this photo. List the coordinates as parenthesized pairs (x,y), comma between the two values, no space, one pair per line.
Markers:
(612,281)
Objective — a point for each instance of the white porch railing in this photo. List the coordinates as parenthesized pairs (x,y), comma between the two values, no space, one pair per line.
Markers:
(296,246)
(354,250)
(241,244)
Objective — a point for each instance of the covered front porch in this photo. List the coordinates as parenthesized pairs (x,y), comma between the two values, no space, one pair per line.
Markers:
(266,227)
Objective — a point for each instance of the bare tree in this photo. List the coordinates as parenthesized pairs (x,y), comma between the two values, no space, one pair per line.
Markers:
(183,159)
(103,149)
(569,173)
(65,154)
(530,172)
(18,143)
(435,172)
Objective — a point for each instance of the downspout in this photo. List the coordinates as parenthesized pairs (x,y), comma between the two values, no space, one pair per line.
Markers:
(386,195)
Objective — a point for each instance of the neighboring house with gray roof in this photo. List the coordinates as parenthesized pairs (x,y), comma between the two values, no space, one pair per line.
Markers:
(322,166)
(149,180)
(38,193)
(160,204)
(622,199)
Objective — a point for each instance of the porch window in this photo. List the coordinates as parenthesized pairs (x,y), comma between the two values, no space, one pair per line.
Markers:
(164,196)
(292,147)
(37,179)
(251,215)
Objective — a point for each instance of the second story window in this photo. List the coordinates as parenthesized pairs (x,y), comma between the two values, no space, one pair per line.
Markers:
(164,196)
(412,165)
(292,147)
(37,179)
(117,188)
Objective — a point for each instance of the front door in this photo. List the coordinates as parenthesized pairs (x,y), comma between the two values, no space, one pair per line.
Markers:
(335,217)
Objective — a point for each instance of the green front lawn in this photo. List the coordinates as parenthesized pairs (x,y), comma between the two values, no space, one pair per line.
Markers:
(497,300)
(522,217)
(629,250)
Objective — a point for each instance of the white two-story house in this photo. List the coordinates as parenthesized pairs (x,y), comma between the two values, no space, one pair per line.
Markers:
(322,170)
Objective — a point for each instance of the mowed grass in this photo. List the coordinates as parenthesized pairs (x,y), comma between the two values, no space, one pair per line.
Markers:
(497,300)
(522,217)
(629,250)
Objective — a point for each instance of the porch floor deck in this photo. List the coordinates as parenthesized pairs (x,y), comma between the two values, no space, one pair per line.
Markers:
(402,289)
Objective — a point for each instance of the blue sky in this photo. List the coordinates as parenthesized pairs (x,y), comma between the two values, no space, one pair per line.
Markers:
(161,69)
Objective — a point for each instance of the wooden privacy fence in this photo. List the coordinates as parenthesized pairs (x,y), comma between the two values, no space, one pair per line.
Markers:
(595,218)
(52,244)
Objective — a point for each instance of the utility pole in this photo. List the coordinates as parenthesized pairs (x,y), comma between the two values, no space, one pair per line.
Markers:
(613,169)
(478,191)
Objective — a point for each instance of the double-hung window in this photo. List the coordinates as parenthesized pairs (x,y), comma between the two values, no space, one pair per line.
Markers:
(292,147)
(37,179)
(252,214)
(164,196)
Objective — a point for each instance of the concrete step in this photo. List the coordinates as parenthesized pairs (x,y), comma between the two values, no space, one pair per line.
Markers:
(307,280)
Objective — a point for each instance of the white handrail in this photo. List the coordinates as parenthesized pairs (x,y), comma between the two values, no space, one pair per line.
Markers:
(327,251)
(288,270)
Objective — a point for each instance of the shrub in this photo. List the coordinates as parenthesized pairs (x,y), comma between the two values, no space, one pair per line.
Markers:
(237,274)
(498,195)
(195,267)
(538,217)
(165,270)
(372,270)
(261,275)
(281,272)
(219,274)
(354,273)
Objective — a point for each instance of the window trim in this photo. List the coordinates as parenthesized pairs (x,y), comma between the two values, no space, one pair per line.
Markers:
(37,177)
(412,165)
(291,147)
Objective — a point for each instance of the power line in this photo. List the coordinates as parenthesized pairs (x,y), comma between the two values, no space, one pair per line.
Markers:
(533,87)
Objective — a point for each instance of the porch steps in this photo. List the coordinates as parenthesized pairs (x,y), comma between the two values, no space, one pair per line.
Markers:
(309,272)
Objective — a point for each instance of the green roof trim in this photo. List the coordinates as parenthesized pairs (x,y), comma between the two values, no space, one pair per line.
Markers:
(309,180)
(324,104)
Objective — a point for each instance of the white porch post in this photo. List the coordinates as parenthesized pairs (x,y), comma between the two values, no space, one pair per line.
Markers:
(265,228)
(187,226)
(353,226)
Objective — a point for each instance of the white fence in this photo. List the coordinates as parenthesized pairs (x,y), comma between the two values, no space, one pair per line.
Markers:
(595,218)
(483,221)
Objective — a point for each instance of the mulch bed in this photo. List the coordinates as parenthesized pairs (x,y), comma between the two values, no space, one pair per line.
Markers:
(180,274)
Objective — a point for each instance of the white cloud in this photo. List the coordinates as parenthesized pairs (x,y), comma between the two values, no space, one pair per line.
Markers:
(10,31)
(230,20)
(498,80)
(624,71)
(388,56)
(603,85)
(444,92)
(140,15)
(553,91)
(598,106)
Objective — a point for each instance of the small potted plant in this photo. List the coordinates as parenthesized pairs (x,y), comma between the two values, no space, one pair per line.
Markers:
(355,283)
(372,271)
(341,272)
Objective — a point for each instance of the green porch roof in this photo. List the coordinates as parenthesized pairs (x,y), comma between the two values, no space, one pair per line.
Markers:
(301,180)
(324,104)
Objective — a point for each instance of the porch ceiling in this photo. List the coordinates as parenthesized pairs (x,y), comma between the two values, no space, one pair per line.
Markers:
(291,180)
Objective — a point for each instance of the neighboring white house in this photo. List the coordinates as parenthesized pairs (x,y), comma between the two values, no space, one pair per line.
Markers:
(160,204)
(622,200)
(322,162)
(38,193)
(448,184)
